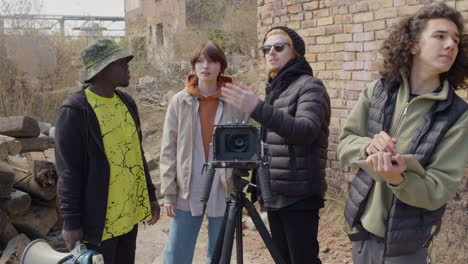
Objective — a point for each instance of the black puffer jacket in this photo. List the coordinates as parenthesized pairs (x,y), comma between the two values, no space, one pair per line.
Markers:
(295,118)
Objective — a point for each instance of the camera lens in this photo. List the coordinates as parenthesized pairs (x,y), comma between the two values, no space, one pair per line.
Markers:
(237,143)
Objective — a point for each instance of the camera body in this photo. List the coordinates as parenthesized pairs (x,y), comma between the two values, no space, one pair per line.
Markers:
(237,146)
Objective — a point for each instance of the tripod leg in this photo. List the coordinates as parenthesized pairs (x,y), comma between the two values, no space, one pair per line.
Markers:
(263,232)
(239,249)
(229,234)
(219,242)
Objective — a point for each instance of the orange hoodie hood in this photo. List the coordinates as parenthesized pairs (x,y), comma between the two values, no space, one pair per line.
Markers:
(192,88)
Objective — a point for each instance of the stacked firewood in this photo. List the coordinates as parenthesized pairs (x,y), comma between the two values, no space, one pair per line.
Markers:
(28,179)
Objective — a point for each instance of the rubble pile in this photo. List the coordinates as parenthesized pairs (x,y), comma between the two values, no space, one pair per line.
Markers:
(28,179)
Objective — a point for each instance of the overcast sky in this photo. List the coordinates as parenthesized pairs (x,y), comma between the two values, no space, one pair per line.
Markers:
(84,7)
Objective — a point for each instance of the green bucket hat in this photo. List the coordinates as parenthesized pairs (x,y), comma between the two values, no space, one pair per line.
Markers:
(99,55)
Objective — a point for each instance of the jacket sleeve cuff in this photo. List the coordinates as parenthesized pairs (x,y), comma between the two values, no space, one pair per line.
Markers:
(170,199)
(71,222)
(257,110)
(398,187)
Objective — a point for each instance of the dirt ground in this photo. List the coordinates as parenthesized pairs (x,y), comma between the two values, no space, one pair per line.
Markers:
(334,247)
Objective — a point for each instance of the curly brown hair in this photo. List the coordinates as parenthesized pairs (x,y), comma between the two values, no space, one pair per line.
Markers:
(396,49)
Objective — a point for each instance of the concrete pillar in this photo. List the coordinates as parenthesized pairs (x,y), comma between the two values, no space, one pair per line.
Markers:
(2,27)
(62,27)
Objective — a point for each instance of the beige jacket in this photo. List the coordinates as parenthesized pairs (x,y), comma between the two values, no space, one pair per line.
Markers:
(177,146)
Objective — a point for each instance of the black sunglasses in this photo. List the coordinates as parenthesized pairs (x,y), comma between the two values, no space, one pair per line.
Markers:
(279,47)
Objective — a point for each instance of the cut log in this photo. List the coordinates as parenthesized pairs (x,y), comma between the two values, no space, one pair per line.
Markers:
(37,222)
(19,203)
(11,145)
(36,144)
(24,181)
(6,180)
(19,126)
(7,230)
(42,169)
(14,250)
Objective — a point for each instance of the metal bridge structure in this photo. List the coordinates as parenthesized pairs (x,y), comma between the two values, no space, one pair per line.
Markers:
(88,24)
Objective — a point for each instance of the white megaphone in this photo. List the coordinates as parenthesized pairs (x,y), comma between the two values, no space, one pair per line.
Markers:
(40,252)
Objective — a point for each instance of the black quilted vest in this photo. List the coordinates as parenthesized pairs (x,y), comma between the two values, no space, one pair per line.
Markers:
(408,228)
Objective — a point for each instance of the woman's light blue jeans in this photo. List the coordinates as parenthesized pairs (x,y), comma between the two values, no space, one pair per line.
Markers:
(183,234)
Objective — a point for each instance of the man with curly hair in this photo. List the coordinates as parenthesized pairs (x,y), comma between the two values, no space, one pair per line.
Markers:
(396,210)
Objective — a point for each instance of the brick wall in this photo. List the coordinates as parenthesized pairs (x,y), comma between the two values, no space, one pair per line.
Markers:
(343,38)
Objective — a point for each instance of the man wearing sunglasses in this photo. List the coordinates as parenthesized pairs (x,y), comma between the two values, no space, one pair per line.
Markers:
(294,119)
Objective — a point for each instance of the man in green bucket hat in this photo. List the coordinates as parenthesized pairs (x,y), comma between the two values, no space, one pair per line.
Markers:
(104,185)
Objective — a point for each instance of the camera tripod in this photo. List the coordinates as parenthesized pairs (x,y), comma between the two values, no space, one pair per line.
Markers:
(232,223)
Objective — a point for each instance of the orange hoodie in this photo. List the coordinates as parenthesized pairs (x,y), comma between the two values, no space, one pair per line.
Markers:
(206,110)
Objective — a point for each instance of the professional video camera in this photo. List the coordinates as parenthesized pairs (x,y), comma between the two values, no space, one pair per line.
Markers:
(238,146)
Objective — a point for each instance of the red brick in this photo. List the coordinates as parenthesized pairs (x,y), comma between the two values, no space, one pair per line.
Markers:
(311,5)
(334,10)
(335,29)
(363,36)
(309,23)
(375,4)
(318,48)
(353,65)
(409,10)
(333,93)
(338,103)
(266,15)
(366,56)
(325,56)
(349,56)
(318,66)
(372,65)
(297,17)
(335,47)
(387,3)
(325,75)
(343,10)
(372,45)
(325,40)
(311,57)
(462,6)
(322,13)
(335,84)
(344,19)
(342,75)
(339,113)
(385,13)
(281,11)
(289,2)
(294,25)
(359,7)
(362,76)
(363,17)
(381,34)
(295,8)
(355,85)
(350,95)
(375,25)
(334,65)
(303,32)
(399,2)
(310,40)
(352,28)
(325,21)
(343,38)
(353,47)
(316,31)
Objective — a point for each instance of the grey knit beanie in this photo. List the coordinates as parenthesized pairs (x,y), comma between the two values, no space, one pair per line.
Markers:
(298,42)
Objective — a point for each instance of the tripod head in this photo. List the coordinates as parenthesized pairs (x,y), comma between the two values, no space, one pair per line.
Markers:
(239,147)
